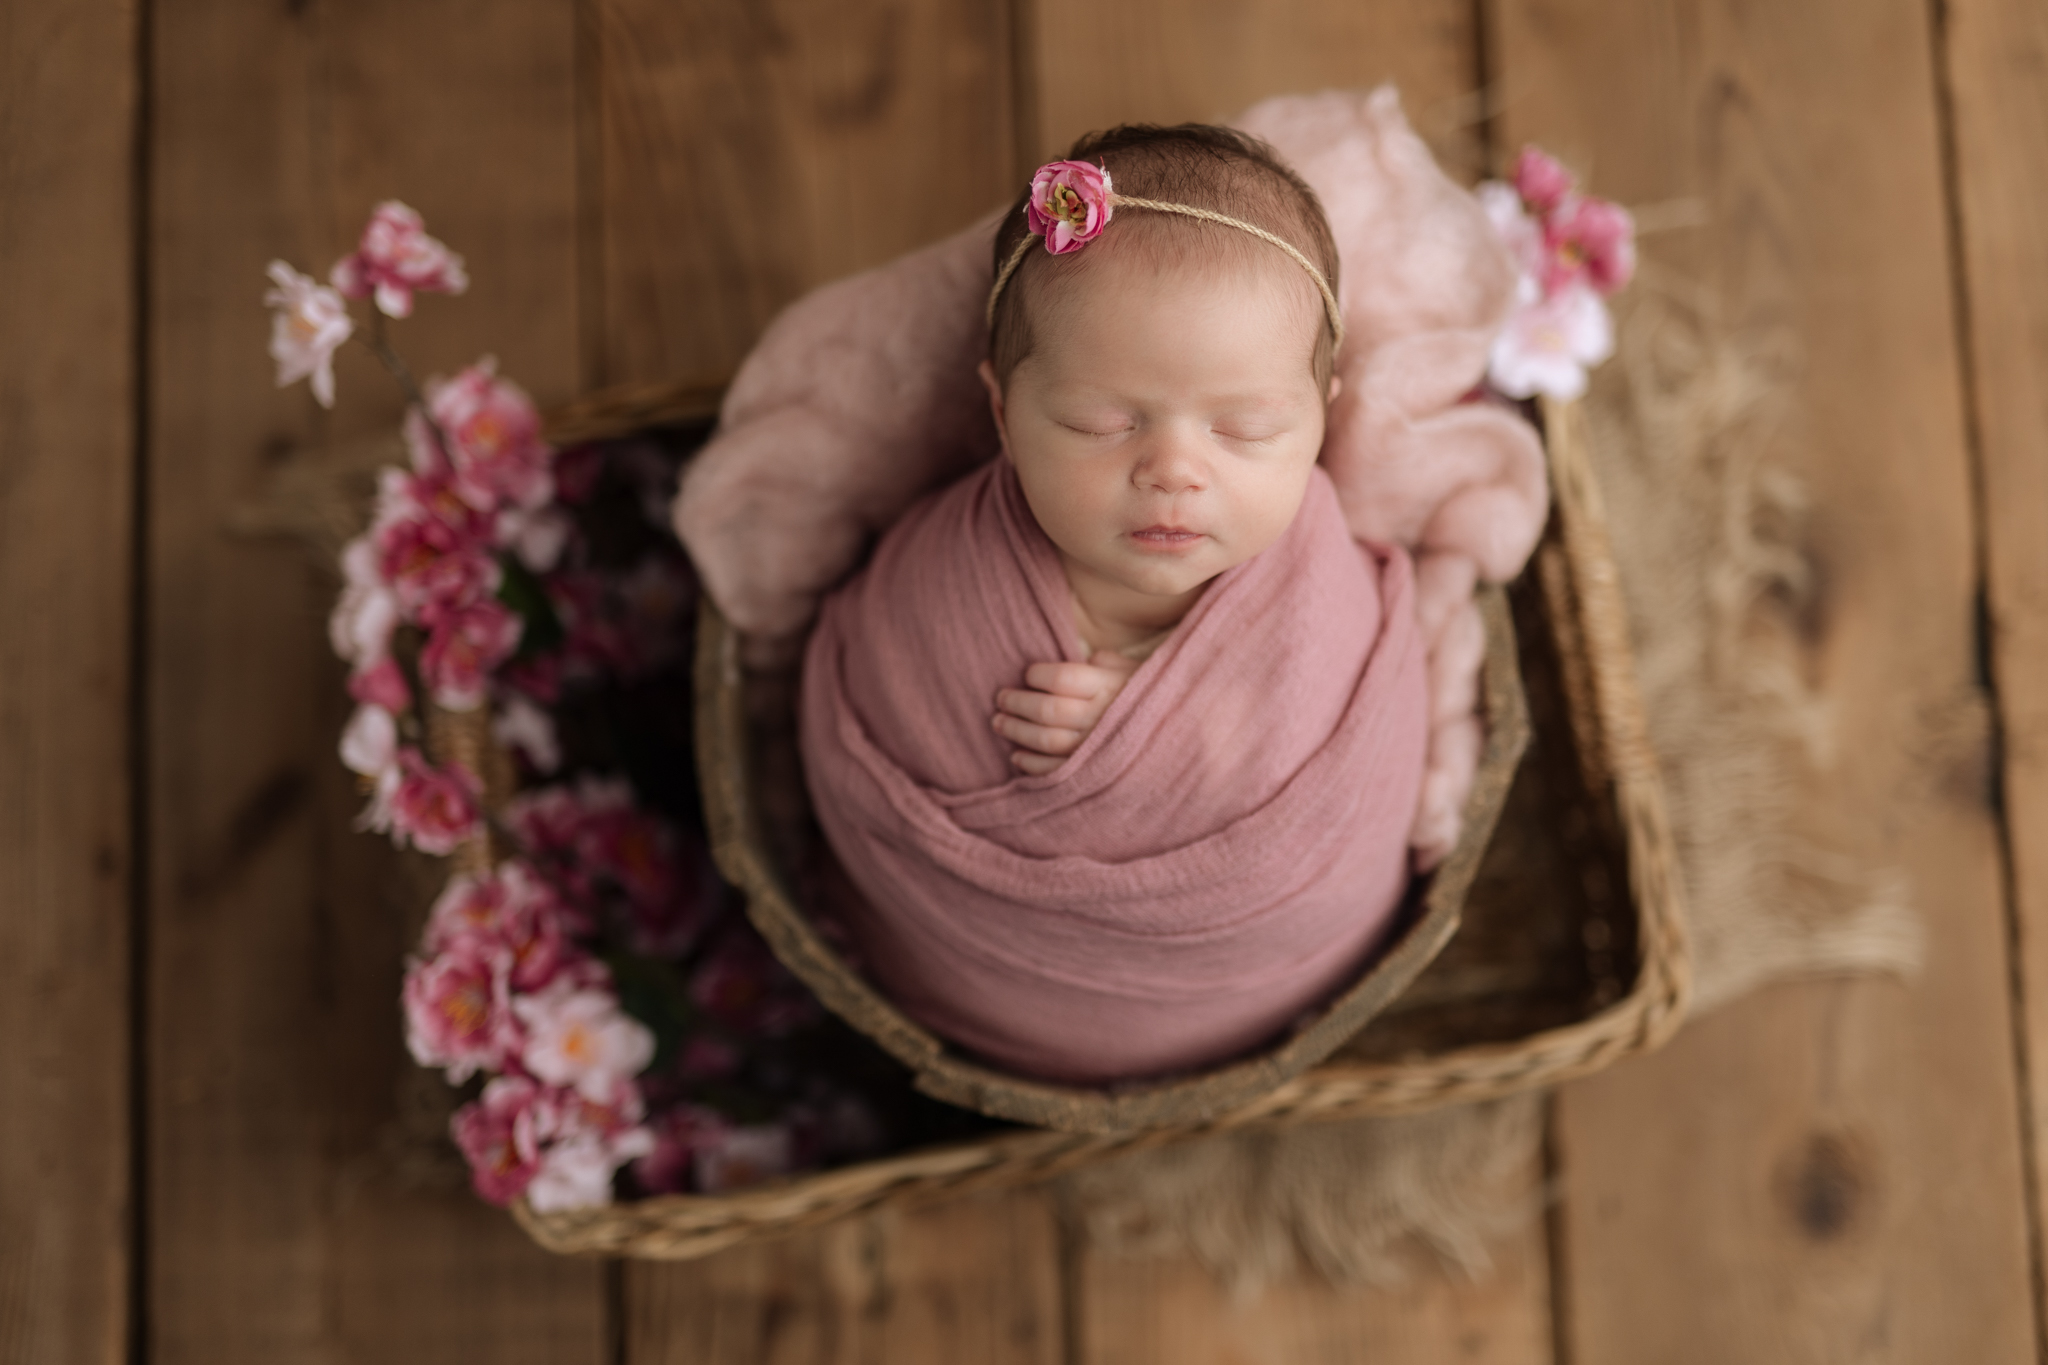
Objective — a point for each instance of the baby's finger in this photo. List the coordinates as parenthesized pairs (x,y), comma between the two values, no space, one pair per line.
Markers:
(1046,739)
(1069,679)
(1067,713)
(1037,765)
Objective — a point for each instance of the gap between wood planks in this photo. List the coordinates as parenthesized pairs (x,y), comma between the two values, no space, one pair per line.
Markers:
(137,712)
(1940,17)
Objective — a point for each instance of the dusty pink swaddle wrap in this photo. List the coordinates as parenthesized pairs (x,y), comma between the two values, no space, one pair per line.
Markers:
(1222,851)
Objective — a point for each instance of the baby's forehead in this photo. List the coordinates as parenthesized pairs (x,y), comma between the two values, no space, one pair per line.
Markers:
(1147,267)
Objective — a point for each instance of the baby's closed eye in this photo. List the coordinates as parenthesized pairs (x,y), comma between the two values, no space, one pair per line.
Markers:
(1251,432)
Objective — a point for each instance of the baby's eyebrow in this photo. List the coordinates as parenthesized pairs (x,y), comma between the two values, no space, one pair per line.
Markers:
(1267,402)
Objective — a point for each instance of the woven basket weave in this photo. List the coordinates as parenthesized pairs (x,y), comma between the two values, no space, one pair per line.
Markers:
(746,855)
(1585,857)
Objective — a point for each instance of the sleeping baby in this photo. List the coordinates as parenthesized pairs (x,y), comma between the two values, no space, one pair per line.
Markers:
(1122,736)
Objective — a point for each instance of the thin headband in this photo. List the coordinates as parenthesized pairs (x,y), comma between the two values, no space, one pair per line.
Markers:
(1072,202)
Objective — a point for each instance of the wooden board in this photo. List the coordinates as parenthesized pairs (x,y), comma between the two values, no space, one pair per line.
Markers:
(67,505)
(1156,62)
(1831,1170)
(750,152)
(752,149)
(1165,61)
(974,1279)
(1995,51)
(302,1205)
(1171,1310)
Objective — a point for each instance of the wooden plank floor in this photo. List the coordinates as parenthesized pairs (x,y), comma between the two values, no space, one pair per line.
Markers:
(209,1143)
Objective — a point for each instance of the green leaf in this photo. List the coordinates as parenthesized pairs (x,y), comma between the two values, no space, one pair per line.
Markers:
(524,593)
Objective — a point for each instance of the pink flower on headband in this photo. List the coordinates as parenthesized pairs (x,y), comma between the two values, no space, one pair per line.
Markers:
(1070,204)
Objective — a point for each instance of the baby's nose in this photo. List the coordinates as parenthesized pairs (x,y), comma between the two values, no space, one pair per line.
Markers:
(1170,464)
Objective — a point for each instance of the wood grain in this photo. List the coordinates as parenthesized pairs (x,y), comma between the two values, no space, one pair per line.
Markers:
(67,504)
(1136,1310)
(1154,61)
(974,1279)
(1168,61)
(1996,51)
(1831,1170)
(753,149)
(303,1206)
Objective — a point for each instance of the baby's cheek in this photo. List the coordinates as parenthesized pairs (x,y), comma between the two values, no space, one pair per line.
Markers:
(1266,511)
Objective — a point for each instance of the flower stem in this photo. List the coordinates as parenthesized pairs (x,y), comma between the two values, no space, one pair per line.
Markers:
(380,347)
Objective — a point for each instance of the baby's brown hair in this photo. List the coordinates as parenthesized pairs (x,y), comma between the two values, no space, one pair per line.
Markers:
(1198,164)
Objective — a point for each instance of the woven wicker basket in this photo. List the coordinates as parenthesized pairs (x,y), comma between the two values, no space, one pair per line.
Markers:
(747,854)
(1571,955)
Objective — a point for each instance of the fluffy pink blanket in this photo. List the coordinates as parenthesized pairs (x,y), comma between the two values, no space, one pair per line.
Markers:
(862,398)
(1223,850)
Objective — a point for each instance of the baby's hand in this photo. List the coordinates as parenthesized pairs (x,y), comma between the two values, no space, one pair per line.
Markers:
(1066,699)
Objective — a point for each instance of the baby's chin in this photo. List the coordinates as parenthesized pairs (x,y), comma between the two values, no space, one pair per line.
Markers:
(1140,573)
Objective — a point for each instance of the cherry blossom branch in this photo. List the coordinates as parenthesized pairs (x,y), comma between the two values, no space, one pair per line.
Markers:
(378,345)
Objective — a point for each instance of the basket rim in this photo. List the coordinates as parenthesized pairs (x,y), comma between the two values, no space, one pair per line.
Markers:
(739,849)
(686,1226)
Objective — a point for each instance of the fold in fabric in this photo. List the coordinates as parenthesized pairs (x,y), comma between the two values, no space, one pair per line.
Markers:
(1223,851)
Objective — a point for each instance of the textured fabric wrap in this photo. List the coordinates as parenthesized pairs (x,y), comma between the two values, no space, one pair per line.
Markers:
(1224,849)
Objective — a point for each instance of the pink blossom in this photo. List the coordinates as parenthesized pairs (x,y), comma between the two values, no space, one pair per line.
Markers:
(457,1010)
(432,548)
(433,809)
(580,1038)
(528,730)
(498,453)
(381,683)
(1589,240)
(423,446)
(465,644)
(655,593)
(395,259)
(1070,204)
(545,821)
(508,909)
(309,326)
(583,1143)
(577,471)
(633,848)
(554,1147)
(576,1171)
(738,1157)
(742,985)
(1546,347)
(704,1058)
(384,786)
(537,535)
(1541,180)
(593,839)
(538,676)
(496,1135)
(368,612)
(598,640)
(369,743)
(677,1133)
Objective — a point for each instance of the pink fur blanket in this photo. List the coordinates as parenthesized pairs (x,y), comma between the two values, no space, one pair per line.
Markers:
(862,397)
(1224,848)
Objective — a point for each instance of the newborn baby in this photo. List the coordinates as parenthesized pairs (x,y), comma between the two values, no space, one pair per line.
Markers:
(1121,737)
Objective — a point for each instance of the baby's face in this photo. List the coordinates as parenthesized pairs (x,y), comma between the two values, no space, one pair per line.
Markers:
(1165,424)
